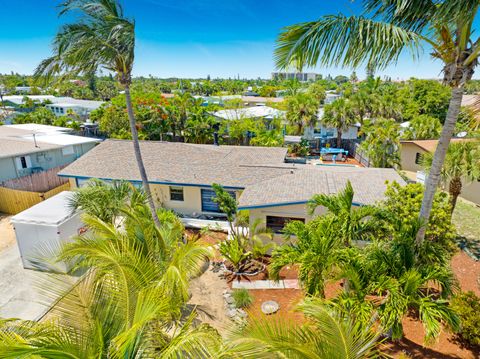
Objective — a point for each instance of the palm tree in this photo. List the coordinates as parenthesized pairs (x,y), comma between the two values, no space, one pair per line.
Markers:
(379,36)
(355,223)
(302,112)
(423,127)
(102,37)
(327,334)
(382,142)
(339,115)
(462,164)
(315,249)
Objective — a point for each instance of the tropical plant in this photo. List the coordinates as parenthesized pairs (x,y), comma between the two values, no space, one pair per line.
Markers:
(318,91)
(360,223)
(327,334)
(315,248)
(339,115)
(382,142)
(379,36)
(462,164)
(103,37)
(423,127)
(302,113)
(242,298)
(299,149)
(236,252)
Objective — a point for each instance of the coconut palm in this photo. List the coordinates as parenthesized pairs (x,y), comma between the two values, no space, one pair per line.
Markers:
(315,248)
(355,222)
(378,37)
(302,112)
(462,164)
(340,115)
(423,127)
(102,37)
(382,142)
(326,335)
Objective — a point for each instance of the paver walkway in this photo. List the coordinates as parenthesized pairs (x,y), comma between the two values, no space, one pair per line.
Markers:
(267,284)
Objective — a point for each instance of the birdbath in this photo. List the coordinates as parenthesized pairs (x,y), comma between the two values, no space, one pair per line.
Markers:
(270,307)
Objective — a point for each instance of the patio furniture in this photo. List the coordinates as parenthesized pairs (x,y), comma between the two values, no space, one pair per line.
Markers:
(270,307)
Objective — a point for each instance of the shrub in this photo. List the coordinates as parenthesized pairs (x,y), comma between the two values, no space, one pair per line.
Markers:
(467,306)
(242,298)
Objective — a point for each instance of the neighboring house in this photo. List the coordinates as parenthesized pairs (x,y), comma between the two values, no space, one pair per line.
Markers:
(325,132)
(300,76)
(331,97)
(58,105)
(259,112)
(181,177)
(410,157)
(30,148)
(247,101)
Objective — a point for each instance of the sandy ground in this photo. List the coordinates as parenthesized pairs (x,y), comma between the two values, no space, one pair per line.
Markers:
(7,234)
(207,295)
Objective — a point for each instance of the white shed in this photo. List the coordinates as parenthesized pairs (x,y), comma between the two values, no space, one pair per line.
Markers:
(42,229)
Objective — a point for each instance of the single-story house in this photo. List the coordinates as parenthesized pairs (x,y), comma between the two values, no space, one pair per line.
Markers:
(258,112)
(30,148)
(410,157)
(181,177)
(58,105)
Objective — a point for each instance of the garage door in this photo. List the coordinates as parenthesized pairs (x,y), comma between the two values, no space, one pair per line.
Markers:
(208,204)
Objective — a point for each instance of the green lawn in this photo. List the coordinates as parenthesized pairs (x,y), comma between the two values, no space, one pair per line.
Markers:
(467,220)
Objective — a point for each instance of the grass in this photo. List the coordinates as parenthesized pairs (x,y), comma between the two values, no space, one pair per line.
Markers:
(242,298)
(466,219)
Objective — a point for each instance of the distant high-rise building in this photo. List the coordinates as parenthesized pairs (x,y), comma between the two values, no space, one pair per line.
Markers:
(300,76)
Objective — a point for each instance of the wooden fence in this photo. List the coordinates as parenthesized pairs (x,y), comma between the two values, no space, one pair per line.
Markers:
(37,182)
(13,201)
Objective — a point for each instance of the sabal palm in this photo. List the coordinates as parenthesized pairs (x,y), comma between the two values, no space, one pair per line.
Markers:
(302,112)
(379,36)
(102,37)
(462,163)
(340,115)
(326,335)
(355,223)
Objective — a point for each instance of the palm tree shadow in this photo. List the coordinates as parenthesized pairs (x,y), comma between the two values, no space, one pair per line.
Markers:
(414,350)
(201,311)
(470,246)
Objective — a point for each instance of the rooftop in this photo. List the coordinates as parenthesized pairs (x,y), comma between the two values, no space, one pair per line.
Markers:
(430,145)
(63,101)
(250,112)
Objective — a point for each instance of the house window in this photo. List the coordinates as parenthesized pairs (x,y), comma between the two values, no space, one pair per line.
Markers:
(276,224)
(23,162)
(176,194)
(418,158)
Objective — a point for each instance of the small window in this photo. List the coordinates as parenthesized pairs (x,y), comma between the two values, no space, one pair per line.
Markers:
(418,158)
(176,194)
(276,224)
(68,150)
(23,162)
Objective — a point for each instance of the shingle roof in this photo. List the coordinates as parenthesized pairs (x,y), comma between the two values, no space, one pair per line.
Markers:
(249,112)
(182,163)
(299,186)
(430,145)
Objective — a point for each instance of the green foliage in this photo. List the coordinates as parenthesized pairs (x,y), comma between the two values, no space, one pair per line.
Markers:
(268,138)
(299,149)
(226,203)
(242,298)
(236,252)
(423,127)
(404,203)
(382,143)
(40,115)
(302,111)
(467,306)
(317,91)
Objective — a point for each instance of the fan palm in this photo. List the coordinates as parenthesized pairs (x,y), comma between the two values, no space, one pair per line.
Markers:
(102,37)
(339,115)
(326,335)
(354,223)
(462,164)
(302,112)
(379,36)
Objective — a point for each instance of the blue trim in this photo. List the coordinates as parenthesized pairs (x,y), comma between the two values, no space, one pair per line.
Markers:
(272,205)
(152,182)
(285,204)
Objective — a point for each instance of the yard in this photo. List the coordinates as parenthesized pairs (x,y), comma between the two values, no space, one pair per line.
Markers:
(467,221)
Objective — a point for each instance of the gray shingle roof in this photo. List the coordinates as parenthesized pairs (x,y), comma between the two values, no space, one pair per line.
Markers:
(298,187)
(182,163)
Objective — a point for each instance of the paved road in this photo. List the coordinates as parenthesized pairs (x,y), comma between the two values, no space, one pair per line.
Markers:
(20,294)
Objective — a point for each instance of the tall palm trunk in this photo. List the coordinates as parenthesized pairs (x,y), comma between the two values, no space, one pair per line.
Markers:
(439,157)
(454,189)
(339,137)
(138,156)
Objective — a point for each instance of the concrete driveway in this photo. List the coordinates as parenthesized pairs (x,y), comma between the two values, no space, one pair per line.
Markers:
(20,293)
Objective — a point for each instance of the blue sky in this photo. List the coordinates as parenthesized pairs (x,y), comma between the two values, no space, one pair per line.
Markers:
(189,38)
